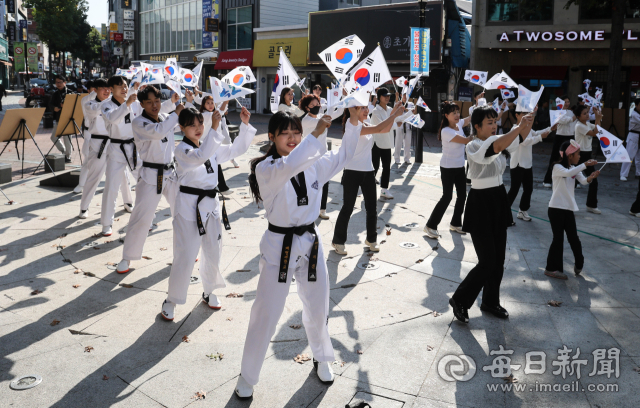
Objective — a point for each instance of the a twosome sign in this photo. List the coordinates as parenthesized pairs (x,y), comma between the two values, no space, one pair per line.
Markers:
(547,36)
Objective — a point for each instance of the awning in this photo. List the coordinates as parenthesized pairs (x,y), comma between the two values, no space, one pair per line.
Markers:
(266,53)
(558,72)
(233,59)
(635,74)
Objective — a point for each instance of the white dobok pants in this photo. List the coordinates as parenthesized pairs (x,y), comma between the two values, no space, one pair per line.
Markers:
(186,244)
(116,179)
(95,170)
(403,137)
(632,149)
(147,199)
(271,296)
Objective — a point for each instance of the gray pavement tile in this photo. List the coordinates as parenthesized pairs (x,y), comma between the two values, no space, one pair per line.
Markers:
(623,325)
(624,287)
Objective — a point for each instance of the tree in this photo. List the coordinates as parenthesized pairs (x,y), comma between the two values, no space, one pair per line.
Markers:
(617,9)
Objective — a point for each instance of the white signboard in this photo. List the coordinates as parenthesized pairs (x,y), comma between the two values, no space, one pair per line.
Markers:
(128,25)
(246,102)
(128,35)
(128,14)
(118,51)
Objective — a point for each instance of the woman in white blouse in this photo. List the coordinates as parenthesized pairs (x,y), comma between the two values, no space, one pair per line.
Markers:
(563,205)
(452,171)
(286,103)
(585,131)
(487,213)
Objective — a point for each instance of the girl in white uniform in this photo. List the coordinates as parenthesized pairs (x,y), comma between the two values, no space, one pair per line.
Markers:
(487,214)
(86,136)
(197,217)
(286,103)
(154,137)
(288,180)
(403,135)
(632,143)
(562,206)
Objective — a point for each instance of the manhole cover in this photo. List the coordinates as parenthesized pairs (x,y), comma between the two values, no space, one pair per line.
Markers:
(412,225)
(409,245)
(194,279)
(92,244)
(26,382)
(368,265)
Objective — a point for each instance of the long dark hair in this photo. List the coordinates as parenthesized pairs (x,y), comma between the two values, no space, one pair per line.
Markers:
(478,116)
(446,108)
(285,91)
(204,100)
(564,157)
(278,123)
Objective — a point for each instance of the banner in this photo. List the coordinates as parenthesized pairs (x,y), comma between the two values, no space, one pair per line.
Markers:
(419,56)
(11,6)
(32,56)
(18,56)
(612,147)
(210,9)
(342,55)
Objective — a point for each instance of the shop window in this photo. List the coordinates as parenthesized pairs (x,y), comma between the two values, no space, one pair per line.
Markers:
(602,10)
(239,28)
(519,10)
(548,83)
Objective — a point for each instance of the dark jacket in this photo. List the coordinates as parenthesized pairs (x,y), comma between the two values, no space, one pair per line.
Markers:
(3,91)
(56,101)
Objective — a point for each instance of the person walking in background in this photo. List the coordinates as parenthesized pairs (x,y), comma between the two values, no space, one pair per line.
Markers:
(3,93)
(57,100)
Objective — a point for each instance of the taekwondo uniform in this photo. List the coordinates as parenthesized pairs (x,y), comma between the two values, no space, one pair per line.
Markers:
(403,135)
(84,170)
(291,190)
(632,145)
(198,214)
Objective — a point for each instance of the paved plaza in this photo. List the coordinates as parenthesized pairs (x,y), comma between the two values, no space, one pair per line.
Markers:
(96,337)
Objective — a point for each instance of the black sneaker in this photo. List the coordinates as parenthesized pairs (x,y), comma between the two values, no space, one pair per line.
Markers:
(496,310)
(67,159)
(459,311)
(577,270)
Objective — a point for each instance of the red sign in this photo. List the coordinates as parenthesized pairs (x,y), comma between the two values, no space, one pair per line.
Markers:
(117,37)
(232,59)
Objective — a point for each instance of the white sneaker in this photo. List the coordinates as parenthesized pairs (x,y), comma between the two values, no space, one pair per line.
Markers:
(323,215)
(212,300)
(594,210)
(168,310)
(123,266)
(634,214)
(79,189)
(578,185)
(234,163)
(456,229)
(107,231)
(340,250)
(373,246)
(397,163)
(83,214)
(244,390)
(226,193)
(407,163)
(324,371)
(523,215)
(547,185)
(128,207)
(622,178)
(386,194)
(431,233)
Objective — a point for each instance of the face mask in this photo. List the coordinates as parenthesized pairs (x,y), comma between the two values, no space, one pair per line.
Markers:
(315,110)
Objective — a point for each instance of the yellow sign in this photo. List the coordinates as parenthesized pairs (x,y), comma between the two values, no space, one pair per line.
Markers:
(266,53)
(113,27)
(162,58)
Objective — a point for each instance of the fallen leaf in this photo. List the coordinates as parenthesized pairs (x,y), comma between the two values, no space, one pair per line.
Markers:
(147,257)
(106,242)
(77,271)
(359,351)
(35,292)
(419,260)
(382,242)
(43,218)
(89,274)
(243,270)
(233,237)
(185,339)
(104,377)
(200,395)
(339,363)
(88,349)
(235,295)
(55,322)
(76,285)
(117,219)
(96,248)
(554,303)
(429,348)
(169,263)
(295,326)
(126,285)
(510,379)
(217,356)
(301,358)
(229,319)
(388,231)
(163,248)
(436,314)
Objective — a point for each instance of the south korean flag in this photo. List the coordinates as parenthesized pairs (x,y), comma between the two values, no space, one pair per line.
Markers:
(476,77)
(342,55)
(612,147)
(507,94)
(286,77)
(500,81)
(369,74)
(239,76)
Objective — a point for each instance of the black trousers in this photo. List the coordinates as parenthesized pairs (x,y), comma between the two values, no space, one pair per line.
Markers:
(351,180)
(325,195)
(222,184)
(592,195)
(521,177)
(490,246)
(378,154)
(450,177)
(563,221)
(635,207)
(558,140)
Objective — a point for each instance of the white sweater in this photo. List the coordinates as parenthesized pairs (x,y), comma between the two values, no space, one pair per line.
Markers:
(564,184)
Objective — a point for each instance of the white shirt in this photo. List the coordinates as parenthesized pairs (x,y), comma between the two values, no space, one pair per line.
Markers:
(379,115)
(401,119)
(634,121)
(193,173)
(566,124)
(155,143)
(361,160)
(117,118)
(84,104)
(452,152)
(93,116)
(523,155)
(309,123)
(582,138)
(293,109)
(486,172)
(564,185)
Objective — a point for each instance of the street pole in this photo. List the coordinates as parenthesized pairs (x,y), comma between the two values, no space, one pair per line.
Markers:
(420,139)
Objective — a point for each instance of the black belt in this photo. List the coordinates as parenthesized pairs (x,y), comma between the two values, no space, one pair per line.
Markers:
(161,168)
(286,249)
(637,132)
(122,142)
(104,139)
(202,194)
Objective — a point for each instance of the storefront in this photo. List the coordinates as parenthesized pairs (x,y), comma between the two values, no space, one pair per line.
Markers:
(554,47)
